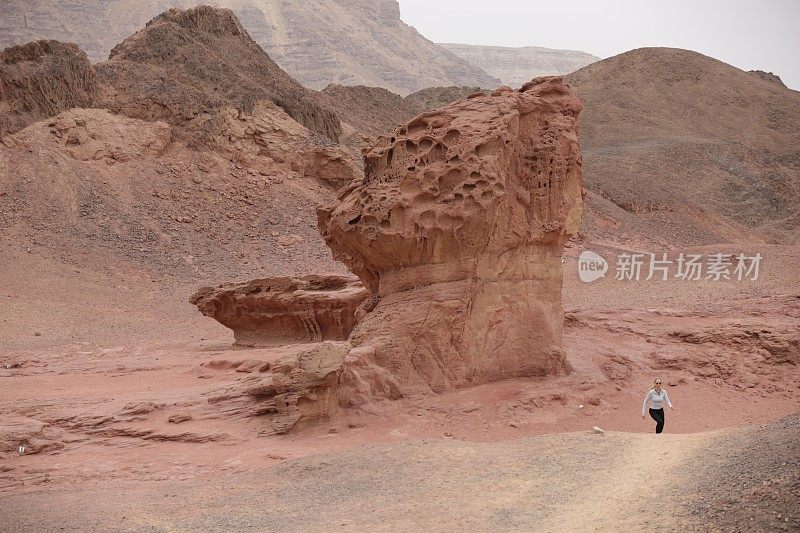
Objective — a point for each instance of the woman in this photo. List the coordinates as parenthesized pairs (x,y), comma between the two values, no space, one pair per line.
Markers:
(656,398)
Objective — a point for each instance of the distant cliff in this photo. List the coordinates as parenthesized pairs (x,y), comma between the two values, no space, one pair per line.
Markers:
(516,66)
(317,42)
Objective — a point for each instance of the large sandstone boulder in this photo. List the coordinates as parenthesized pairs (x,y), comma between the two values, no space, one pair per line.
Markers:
(458,227)
(269,311)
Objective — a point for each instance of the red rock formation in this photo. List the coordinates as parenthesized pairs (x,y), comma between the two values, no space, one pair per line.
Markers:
(41,79)
(301,388)
(96,135)
(458,227)
(271,311)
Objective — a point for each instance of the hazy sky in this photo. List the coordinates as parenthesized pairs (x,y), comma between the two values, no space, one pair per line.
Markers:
(759,34)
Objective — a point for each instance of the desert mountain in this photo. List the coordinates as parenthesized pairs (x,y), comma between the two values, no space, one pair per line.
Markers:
(184,63)
(350,42)
(682,148)
(180,66)
(202,182)
(189,158)
(368,112)
(516,66)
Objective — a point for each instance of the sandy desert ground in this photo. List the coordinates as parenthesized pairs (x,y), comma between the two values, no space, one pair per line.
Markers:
(104,451)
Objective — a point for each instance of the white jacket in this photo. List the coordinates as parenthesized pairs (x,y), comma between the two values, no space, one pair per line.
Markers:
(656,400)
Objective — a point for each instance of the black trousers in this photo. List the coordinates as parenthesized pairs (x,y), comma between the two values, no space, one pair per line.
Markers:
(658,416)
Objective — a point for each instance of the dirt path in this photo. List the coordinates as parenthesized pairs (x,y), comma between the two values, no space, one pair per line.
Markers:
(616,496)
(558,482)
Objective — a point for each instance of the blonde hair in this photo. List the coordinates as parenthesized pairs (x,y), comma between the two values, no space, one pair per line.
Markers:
(654,383)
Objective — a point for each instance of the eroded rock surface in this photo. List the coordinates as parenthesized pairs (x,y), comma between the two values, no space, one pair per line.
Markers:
(95,135)
(458,227)
(300,389)
(41,79)
(270,311)
(516,65)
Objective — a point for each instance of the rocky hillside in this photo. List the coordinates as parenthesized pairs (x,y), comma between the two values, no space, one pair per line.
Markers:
(350,42)
(516,66)
(682,148)
(186,62)
(189,153)
(368,112)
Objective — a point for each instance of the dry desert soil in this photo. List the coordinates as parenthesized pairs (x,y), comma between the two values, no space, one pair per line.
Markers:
(155,175)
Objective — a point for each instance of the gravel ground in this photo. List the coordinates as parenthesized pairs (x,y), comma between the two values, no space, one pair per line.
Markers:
(751,481)
(729,480)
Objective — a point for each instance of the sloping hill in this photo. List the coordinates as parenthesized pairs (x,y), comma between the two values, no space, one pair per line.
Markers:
(681,148)
(368,112)
(40,79)
(350,42)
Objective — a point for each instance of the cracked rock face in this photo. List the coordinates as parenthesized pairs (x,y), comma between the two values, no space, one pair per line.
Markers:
(270,311)
(458,227)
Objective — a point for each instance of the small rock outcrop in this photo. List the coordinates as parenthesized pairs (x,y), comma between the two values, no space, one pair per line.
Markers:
(768,76)
(269,311)
(458,227)
(95,135)
(300,389)
(41,79)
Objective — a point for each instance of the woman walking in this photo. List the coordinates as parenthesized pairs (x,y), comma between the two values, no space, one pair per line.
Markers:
(655,398)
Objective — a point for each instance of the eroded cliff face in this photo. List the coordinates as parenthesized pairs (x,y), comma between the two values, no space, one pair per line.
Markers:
(384,12)
(458,227)
(514,66)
